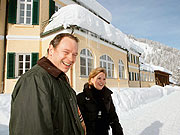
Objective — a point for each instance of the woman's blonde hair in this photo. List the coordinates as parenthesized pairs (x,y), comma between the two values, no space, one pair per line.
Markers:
(95,72)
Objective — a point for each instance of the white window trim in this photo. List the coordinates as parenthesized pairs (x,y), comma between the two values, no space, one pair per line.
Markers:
(108,62)
(18,11)
(121,66)
(17,63)
(86,58)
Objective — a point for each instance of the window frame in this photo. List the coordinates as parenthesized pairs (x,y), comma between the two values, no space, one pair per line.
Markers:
(17,61)
(109,65)
(25,12)
(121,72)
(87,58)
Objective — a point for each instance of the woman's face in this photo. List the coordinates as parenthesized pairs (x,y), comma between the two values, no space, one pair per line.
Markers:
(99,81)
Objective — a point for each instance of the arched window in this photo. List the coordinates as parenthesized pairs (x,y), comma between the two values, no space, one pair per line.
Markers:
(121,69)
(86,62)
(107,63)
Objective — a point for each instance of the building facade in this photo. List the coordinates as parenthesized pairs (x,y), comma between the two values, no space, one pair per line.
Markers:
(22,43)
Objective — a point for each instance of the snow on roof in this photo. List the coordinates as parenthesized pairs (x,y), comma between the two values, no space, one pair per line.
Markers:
(146,67)
(97,8)
(161,69)
(77,15)
(152,68)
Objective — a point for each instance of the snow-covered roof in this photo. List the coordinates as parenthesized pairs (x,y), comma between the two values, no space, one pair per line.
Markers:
(97,8)
(161,69)
(146,67)
(77,15)
(152,68)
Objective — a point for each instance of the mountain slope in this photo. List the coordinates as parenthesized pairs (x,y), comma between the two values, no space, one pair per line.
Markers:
(160,55)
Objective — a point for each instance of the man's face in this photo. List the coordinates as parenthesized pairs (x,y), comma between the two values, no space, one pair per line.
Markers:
(64,55)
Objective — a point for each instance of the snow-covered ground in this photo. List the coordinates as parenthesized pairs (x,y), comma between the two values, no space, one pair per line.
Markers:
(142,111)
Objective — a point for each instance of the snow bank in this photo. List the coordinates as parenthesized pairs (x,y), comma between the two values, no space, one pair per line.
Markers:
(126,99)
(4,108)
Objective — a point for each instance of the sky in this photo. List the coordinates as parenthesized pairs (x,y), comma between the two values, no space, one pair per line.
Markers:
(141,111)
(157,20)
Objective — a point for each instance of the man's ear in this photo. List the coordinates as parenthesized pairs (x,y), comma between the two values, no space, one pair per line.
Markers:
(51,49)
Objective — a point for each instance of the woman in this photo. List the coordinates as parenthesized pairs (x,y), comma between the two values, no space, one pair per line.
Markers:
(96,105)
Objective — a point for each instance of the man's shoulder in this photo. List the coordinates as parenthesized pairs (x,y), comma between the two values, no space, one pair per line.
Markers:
(35,73)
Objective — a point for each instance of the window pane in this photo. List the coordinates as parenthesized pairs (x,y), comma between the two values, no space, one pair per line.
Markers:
(20,57)
(89,53)
(27,65)
(21,20)
(27,57)
(28,0)
(83,70)
(28,13)
(28,20)
(20,72)
(22,6)
(82,61)
(20,64)
(22,0)
(90,62)
(89,70)
(101,64)
(83,52)
(21,13)
(104,65)
(28,7)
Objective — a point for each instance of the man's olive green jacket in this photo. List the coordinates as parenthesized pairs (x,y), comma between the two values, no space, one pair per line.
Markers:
(43,103)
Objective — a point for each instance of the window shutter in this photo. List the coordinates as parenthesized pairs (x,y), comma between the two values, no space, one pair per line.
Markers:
(35,12)
(12,10)
(34,59)
(51,8)
(11,65)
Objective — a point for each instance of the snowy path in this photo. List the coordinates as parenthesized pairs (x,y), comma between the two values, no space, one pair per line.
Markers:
(161,117)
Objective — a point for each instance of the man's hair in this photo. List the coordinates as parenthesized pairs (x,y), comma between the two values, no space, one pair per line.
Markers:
(95,72)
(57,39)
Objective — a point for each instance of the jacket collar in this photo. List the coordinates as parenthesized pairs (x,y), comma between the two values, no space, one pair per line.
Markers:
(88,90)
(49,67)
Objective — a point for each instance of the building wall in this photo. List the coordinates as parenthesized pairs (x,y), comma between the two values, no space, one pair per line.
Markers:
(19,46)
(2,39)
(148,78)
(27,39)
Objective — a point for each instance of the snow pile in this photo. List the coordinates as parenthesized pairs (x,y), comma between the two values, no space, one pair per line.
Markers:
(77,15)
(127,99)
(4,108)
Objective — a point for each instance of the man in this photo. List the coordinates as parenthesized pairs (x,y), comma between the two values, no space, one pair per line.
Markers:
(43,103)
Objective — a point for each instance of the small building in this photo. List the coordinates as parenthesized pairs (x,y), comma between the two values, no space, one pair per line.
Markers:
(161,76)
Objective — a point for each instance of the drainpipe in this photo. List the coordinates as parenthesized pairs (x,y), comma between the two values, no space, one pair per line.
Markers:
(5,45)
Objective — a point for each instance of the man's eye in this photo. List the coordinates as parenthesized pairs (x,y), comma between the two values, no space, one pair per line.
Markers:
(65,52)
(75,54)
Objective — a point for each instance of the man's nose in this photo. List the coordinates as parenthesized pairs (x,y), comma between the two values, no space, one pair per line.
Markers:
(71,57)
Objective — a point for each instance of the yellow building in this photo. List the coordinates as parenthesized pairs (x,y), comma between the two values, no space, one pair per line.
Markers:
(22,43)
(2,41)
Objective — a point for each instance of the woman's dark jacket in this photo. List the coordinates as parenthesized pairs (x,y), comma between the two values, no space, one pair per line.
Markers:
(98,111)
(43,103)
